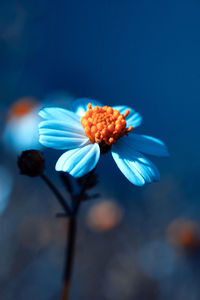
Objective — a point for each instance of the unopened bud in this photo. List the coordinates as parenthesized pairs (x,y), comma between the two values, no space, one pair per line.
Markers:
(31,163)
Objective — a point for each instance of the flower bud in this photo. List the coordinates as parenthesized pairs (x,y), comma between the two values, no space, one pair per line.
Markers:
(31,163)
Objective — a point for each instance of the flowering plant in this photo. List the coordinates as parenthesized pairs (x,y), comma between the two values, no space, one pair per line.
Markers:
(86,131)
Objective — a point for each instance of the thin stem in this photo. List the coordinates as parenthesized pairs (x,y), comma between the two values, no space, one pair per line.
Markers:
(65,179)
(60,198)
(69,258)
(72,213)
(71,240)
(82,194)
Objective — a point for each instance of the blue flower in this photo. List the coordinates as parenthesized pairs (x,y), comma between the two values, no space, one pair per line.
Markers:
(84,131)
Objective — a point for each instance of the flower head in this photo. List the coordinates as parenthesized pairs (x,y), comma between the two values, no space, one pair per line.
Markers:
(104,125)
(89,127)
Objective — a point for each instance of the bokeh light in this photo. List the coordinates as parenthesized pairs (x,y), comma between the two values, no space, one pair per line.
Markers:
(184,234)
(104,215)
(21,128)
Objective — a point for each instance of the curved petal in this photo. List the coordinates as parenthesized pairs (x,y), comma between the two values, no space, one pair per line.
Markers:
(146,144)
(61,135)
(57,113)
(130,173)
(79,162)
(133,119)
(79,106)
(62,143)
(63,126)
(136,167)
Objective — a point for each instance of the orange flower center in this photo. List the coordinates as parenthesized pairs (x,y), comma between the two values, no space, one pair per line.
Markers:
(104,125)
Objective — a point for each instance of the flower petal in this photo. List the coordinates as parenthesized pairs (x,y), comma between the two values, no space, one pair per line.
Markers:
(136,167)
(79,162)
(57,113)
(79,106)
(130,173)
(62,135)
(63,126)
(146,144)
(133,119)
(62,143)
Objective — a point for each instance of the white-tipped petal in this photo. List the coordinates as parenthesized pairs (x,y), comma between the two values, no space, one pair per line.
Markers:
(146,144)
(58,134)
(133,119)
(62,126)
(136,167)
(130,173)
(62,143)
(57,113)
(80,161)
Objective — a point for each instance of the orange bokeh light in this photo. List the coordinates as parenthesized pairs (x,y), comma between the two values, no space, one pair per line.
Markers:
(184,233)
(104,215)
(22,107)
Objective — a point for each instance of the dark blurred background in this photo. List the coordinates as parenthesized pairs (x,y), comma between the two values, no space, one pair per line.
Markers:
(133,243)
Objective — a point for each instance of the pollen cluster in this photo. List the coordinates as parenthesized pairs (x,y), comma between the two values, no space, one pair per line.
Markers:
(104,125)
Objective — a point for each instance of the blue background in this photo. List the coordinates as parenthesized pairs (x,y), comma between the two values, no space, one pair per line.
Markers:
(144,54)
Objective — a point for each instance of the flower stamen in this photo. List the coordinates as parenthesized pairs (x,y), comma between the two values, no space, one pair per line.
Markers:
(104,125)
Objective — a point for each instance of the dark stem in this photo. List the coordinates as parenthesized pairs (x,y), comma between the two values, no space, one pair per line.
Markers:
(71,212)
(81,195)
(60,198)
(69,258)
(65,179)
(71,240)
